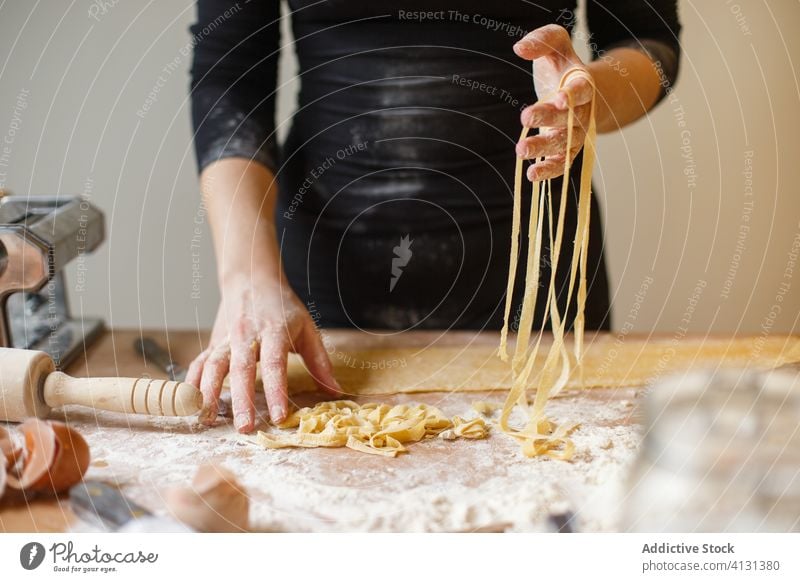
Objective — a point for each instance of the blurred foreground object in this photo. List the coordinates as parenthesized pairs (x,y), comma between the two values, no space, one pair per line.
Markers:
(721,453)
(215,501)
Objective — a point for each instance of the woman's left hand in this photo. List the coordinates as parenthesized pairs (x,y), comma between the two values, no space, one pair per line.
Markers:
(550,49)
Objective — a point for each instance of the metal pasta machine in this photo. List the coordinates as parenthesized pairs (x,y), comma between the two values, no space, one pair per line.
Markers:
(39,237)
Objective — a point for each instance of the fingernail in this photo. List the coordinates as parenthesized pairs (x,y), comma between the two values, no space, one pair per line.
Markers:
(337,386)
(522,150)
(277,413)
(241,420)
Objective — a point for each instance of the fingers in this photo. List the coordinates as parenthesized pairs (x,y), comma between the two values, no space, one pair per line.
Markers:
(214,371)
(244,350)
(193,377)
(551,40)
(317,360)
(549,168)
(274,354)
(195,371)
(552,142)
(547,114)
(581,90)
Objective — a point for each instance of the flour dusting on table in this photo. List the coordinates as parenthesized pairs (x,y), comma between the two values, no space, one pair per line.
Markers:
(438,486)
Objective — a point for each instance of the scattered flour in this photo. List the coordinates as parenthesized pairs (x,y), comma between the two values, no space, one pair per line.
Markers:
(439,486)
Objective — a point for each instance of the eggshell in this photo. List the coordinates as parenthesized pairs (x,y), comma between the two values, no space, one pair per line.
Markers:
(2,476)
(72,458)
(41,447)
(10,451)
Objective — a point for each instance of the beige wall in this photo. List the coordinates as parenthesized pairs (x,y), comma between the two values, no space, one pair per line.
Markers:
(704,246)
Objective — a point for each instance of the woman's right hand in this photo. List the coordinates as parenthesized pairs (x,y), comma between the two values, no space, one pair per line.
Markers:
(259,319)
(258,324)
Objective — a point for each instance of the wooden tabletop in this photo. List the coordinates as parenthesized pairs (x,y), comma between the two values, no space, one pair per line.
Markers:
(481,480)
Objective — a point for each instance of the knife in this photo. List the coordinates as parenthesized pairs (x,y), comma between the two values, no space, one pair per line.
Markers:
(149,349)
(107,509)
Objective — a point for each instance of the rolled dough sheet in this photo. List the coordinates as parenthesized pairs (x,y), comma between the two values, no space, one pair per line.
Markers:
(608,363)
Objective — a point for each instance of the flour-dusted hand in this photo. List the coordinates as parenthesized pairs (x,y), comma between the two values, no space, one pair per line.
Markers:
(258,326)
(550,49)
(260,319)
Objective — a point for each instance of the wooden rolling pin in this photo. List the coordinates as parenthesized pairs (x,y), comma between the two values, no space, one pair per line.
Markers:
(30,386)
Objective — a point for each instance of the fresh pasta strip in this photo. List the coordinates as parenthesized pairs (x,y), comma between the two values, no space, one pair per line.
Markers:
(516,220)
(540,436)
(531,287)
(474,428)
(376,429)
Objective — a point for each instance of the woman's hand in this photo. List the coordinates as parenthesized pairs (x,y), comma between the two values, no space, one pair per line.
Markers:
(253,325)
(550,49)
(259,319)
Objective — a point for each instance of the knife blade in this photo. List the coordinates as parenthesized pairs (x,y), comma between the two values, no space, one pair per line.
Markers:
(107,509)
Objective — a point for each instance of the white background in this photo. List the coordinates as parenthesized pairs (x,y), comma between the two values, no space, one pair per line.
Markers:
(738,89)
(390,557)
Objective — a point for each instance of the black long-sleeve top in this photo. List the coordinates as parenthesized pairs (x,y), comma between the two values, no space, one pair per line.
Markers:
(396,178)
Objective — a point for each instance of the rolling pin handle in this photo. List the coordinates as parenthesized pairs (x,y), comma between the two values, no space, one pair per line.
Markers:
(127,395)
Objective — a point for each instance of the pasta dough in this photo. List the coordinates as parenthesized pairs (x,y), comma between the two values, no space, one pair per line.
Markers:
(377,429)
(608,362)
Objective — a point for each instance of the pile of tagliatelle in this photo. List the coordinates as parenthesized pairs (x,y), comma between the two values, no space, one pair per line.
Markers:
(377,429)
(539,436)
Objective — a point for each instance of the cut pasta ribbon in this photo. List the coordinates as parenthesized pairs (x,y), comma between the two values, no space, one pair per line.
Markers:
(377,429)
(540,436)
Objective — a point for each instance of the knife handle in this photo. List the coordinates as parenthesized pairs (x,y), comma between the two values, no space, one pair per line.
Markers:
(149,349)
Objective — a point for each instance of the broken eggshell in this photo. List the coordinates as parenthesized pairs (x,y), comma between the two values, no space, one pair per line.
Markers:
(215,502)
(10,449)
(2,476)
(72,458)
(10,452)
(40,452)
(56,457)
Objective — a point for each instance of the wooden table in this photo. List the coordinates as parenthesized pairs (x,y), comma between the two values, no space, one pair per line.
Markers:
(438,486)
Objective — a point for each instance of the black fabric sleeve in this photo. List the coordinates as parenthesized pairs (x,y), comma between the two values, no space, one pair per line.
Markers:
(651,27)
(234,79)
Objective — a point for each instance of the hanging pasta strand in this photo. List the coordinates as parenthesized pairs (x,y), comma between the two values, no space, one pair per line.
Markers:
(526,372)
(580,249)
(585,206)
(540,436)
(516,220)
(525,325)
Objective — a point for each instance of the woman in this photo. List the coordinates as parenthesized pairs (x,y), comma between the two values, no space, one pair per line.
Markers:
(389,205)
